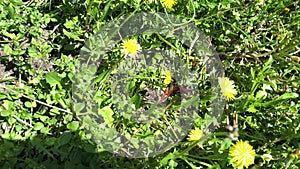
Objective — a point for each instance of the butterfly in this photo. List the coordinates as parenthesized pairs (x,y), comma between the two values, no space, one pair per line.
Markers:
(171,90)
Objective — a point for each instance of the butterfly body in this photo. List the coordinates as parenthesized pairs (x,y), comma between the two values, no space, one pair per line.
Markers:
(173,89)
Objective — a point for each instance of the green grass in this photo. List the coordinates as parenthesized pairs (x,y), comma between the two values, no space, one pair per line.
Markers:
(40,44)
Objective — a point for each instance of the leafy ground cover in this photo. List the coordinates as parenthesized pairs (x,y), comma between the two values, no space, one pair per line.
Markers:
(258,44)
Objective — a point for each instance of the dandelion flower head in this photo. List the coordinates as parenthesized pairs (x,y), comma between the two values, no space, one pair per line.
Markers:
(131,47)
(168,3)
(241,154)
(195,134)
(168,77)
(227,88)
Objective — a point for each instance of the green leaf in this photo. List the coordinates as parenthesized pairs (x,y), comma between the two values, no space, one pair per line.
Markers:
(17,2)
(7,49)
(158,56)
(252,71)
(72,35)
(5,113)
(268,64)
(73,126)
(43,118)
(11,120)
(65,138)
(45,130)
(8,104)
(165,160)
(16,137)
(78,107)
(189,102)
(34,81)
(11,10)
(261,94)
(101,77)
(107,114)
(5,136)
(131,87)
(252,109)
(38,126)
(225,144)
(50,141)
(136,100)
(69,24)
(173,163)
(53,79)
(33,53)
(288,96)
(30,104)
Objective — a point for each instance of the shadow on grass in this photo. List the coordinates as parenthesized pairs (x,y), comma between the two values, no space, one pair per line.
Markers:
(65,151)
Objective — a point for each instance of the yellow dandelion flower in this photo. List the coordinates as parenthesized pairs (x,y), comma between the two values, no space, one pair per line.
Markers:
(287,9)
(195,134)
(168,77)
(131,47)
(241,154)
(168,3)
(227,88)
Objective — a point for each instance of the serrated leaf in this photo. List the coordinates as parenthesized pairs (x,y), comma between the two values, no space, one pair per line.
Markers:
(69,24)
(71,35)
